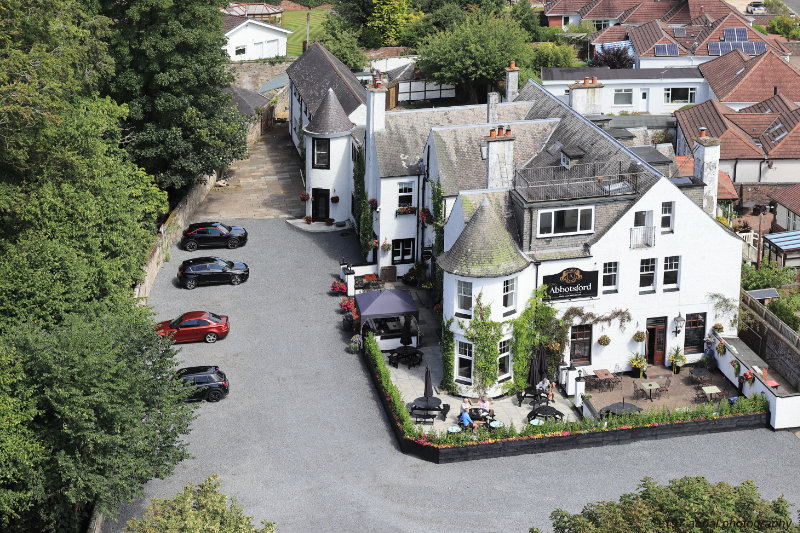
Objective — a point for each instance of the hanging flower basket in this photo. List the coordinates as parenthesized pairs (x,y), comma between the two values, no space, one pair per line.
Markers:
(373,204)
(307,218)
(721,348)
(736,367)
(334,199)
(386,246)
(640,336)
(749,377)
(425,215)
(604,340)
(375,243)
(717,328)
(304,197)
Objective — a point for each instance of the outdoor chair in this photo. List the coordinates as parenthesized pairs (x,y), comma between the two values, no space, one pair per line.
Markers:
(445,410)
(617,379)
(638,391)
(665,388)
(700,396)
(591,382)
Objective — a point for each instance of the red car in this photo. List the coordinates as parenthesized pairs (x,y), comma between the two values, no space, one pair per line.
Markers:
(195,326)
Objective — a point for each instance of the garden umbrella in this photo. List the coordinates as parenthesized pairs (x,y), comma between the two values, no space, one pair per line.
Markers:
(620,408)
(542,361)
(533,373)
(428,383)
(405,336)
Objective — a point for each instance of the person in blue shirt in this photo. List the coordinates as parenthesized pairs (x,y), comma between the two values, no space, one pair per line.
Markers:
(467,421)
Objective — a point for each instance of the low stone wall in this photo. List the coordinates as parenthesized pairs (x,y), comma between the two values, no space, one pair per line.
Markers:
(253,133)
(253,74)
(170,233)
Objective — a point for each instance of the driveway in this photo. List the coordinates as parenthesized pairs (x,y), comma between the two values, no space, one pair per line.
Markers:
(302,440)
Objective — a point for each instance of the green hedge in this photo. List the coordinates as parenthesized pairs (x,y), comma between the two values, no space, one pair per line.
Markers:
(401,415)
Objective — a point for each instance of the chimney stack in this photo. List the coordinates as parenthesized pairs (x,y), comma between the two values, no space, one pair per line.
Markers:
(586,98)
(512,81)
(702,10)
(594,80)
(586,80)
(376,121)
(706,168)
(499,158)
(492,99)
(775,90)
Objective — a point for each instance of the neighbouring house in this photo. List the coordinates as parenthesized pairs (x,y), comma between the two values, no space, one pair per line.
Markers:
(759,143)
(405,84)
(250,39)
(787,212)
(253,106)
(656,91)
(263,12)
(389,58)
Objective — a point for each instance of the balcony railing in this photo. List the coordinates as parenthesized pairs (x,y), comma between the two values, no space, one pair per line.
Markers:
(643,236)
(588,180)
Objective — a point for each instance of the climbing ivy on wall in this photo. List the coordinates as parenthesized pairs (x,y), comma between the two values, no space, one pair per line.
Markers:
(448,357)
(484,334)
(437,198)
(587,317)
(365,229)
(359,190)
(537,325)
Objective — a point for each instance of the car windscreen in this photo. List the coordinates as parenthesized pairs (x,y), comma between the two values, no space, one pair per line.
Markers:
(229,264)
(173,324)
(224,228)
(214,318)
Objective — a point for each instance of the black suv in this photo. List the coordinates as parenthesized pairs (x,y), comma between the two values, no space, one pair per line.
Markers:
(209,382)
(206,270)
(213,234)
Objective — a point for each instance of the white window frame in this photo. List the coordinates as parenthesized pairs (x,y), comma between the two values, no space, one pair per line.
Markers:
(667,212)
(601,24)
(504,348)
(672,264)
(692,97)
(650,267)
(610,269)
(461,293)
(552,212)
(510,295)
(240,50)
(628,92)
(565,160)
(405,188)
(564,21)
(464,351)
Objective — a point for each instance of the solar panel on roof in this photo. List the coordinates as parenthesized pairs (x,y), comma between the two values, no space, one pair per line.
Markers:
(737,45)
(661,49)
(761,47)
(724,48)
(672,49)
(750,48)
(666,49)
(729,34)
(679,32)
(741,34)
(713,49)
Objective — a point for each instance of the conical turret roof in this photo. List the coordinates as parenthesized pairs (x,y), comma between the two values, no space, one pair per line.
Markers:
(330,117)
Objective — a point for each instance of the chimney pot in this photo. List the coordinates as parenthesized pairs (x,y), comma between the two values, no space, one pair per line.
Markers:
(594,80)
(702,9)
(508,131)
(702,132)
(586,80)
(492,133)
(378,84)
(499,131)
(513,64)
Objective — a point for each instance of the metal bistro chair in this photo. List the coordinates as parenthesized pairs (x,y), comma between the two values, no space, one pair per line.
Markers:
(638,391)
(617,379)
(665,388)
(591,382)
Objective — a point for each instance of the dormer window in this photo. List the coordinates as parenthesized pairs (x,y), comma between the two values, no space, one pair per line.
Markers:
(570,155)
(565,162)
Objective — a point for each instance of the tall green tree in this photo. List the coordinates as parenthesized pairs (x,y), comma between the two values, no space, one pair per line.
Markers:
(340,39)
(389,18)
(196,508)
(110,414)
(473,54)
(170,71)
(770,275)
(528,18)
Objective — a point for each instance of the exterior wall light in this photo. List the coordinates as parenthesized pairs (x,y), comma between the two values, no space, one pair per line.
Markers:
(679,322)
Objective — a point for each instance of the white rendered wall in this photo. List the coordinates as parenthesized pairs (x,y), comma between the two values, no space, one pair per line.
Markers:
(390,63)
(295,119)
(337,179)
(669,62)
(273,42)
(393,226)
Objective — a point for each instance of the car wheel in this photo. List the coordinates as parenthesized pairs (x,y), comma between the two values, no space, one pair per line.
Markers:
(211,337)
(233,243)
(190,246)
(190,284)
(235,280)
(214,395)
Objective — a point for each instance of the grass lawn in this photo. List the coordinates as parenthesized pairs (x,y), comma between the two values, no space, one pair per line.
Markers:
(296,20)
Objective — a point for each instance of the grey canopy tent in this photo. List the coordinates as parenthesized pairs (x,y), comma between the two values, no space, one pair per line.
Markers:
(385,303)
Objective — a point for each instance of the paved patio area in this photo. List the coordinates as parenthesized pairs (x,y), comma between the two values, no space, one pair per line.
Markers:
(681,391)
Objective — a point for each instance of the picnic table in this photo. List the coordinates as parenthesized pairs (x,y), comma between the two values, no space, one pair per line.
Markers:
(712,391)
(545,411)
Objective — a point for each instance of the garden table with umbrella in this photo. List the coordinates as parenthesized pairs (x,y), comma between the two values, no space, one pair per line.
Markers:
(534,376)
(422,406)
(703,375)
(620,408)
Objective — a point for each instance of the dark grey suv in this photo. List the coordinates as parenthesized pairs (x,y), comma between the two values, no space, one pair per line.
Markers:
(209,382)
(208,270)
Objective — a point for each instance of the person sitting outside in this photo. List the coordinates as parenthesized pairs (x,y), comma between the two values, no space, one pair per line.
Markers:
(547,389)
(465,405)
(484,408)
(466,421)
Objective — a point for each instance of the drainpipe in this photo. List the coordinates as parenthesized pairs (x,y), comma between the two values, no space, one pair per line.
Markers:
(760,163)
(536,264)
(735,164)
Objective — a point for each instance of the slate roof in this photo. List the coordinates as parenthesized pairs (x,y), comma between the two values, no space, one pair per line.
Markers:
(737,77)
(458,151)
(316,71)
(606,73)
(329,118)
(651,155)
(400,145)
(485,248)
(770,128)
(252,10)
(402,73)
(231,21)
(245,100)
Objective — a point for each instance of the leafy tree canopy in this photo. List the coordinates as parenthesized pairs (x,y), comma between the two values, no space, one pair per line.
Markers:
(613,58)
(474,53)
(200,508)
(685,504)
(770,275)
(389,18)
(528,18)
(170,71)
(342,41)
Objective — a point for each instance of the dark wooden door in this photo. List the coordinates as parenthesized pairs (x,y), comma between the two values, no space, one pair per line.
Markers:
(656,340)
(320,204)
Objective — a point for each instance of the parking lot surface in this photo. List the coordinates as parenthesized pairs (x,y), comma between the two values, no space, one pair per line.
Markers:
(302,440)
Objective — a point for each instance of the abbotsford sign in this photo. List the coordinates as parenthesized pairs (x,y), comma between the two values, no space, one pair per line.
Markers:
(571,283)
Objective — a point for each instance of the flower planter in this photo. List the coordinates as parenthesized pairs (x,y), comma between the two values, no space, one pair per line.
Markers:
(334,199)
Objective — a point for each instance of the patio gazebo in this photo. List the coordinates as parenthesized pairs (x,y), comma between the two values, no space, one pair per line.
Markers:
(381,312)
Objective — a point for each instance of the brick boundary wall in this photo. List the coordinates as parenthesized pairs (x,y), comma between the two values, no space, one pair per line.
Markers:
(781,346)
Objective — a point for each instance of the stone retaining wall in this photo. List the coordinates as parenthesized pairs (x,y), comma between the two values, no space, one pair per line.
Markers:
(170,233)
(253,74)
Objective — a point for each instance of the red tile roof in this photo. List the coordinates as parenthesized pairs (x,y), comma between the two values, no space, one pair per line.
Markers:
(737,77)
(734,20)
(565,7)
(645,37)
(644,12)
(612,34)
(725,188)
(712,116)
(788,197)
(685,166)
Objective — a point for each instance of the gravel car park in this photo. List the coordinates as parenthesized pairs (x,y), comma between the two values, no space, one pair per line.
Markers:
(302,439)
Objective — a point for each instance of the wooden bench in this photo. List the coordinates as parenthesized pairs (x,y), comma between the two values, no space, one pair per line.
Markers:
(423,415)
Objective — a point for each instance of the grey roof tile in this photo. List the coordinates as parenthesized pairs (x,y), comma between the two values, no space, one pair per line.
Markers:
(329,117)
(316,71)
(400,145)
(484,248)
(245,100)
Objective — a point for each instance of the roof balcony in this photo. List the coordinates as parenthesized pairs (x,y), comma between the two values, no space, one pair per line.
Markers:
(584,180)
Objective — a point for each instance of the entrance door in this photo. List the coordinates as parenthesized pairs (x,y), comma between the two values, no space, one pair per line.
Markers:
(656,340)
(320,204)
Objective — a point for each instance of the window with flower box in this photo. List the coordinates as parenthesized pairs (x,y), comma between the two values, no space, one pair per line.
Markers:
(464,363)
(405,193)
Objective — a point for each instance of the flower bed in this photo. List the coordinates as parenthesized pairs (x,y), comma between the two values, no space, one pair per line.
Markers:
(444,447)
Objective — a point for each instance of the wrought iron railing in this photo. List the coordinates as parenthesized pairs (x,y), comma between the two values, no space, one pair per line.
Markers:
(588,180)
